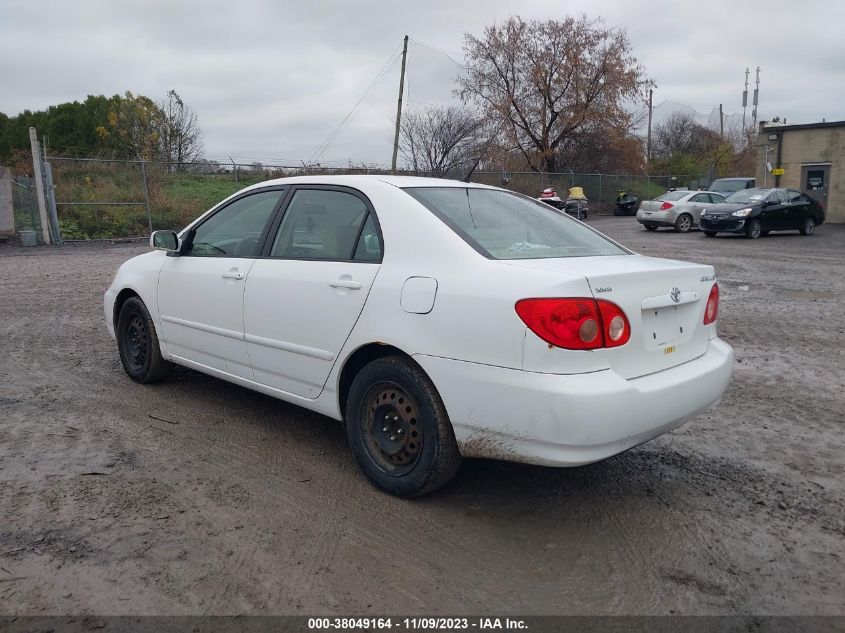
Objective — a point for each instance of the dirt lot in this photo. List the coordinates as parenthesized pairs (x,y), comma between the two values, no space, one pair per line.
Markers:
(197,497)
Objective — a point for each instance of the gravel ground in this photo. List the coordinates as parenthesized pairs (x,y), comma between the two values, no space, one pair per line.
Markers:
(199,497)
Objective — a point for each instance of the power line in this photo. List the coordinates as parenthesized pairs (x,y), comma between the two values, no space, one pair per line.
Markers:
(445,52)
(369,90)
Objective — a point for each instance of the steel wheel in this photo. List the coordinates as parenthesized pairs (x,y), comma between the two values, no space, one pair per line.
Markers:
(136,342)
(391,432)
(138,345)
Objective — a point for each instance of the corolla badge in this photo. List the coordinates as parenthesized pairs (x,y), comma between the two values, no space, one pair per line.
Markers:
(675,295)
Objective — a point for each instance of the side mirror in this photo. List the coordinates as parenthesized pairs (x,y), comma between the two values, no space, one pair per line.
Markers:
(164,241)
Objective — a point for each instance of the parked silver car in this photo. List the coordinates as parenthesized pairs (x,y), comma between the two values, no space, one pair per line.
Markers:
(679,209)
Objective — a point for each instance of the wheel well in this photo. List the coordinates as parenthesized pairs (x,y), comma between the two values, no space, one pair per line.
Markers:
(356,362)
(122,296)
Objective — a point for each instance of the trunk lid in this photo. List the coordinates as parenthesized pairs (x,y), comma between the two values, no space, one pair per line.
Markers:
(664,301)
(651,205)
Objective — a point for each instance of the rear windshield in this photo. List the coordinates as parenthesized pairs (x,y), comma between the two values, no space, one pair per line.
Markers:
(503,225)
(672,196)
(729,186)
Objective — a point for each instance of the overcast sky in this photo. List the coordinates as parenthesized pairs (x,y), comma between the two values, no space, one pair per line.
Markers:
(271,80)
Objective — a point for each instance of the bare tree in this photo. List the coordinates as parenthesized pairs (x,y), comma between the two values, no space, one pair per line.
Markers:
(682,134)
(440,140)
(543,81)
(180,136)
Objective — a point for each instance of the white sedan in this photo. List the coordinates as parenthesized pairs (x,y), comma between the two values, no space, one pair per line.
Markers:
(437,319)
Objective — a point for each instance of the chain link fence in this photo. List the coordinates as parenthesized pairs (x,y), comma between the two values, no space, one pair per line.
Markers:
(25,204)
(120,199)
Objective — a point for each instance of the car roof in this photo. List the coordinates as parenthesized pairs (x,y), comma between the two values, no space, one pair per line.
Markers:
(359,179)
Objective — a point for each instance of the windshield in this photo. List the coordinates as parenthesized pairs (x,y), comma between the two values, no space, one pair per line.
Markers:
(749,195)
(503,225)
(672,196)
(728,187)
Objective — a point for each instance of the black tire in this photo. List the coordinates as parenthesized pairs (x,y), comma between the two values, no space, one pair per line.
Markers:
(753,229)
(709,233)
(398,428)
(138,344)
(684,223)
(809,226)
(650,227)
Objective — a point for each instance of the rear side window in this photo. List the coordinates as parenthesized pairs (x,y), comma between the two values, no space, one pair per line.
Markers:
(503,225)
(323,224)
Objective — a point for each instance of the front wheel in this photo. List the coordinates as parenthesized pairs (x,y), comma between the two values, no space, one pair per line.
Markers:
(398,428)
(137,343)
(809,226)
(684,223)
(753,229)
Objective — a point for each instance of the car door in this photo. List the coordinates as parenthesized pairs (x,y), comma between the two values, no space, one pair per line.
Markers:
(773,217)
(798,208)
(200,292)
(697,204)
(304,296)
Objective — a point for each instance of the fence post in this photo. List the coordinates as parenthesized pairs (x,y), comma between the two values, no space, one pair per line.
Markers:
(39,185)
(146,194)
(50,194)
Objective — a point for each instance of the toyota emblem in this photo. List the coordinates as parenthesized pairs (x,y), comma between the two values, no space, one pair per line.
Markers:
(675,295)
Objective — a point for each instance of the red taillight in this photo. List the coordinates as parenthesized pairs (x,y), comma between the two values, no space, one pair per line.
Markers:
(617,330)
(575,323)
(665,205)
(711,312)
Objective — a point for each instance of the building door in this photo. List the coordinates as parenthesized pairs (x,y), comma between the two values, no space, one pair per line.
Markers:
(814,182)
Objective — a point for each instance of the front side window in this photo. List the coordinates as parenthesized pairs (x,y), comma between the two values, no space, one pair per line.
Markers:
(235,230)
(502,225)
(324,224)
(701,197)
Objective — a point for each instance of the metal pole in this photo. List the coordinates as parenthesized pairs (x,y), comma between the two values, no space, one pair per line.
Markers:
(39,185)
(50,192)
(146,194)
(399,106)
(721,123)
(235,167)
(648,142)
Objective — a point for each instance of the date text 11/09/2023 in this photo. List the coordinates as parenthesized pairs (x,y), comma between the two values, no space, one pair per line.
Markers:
(416,623)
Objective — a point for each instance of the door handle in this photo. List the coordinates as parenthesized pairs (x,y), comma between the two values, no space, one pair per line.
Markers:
(233,274)
(346,283)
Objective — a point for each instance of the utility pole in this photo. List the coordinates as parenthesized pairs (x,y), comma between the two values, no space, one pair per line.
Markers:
(745,99)
(721,123)
(399,106)
(648,142)
(756,95)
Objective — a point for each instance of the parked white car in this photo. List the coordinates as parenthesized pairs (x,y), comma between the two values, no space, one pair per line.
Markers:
(438,319)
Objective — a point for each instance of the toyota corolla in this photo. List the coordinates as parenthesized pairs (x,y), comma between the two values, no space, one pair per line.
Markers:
(437,319)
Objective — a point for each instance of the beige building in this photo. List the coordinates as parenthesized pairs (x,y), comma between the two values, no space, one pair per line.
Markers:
(812,157)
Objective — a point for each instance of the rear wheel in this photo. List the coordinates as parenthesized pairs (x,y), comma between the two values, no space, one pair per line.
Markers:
(709,233)
(138,344)
(753,229)
(684,223)
(808,227)
(398,428)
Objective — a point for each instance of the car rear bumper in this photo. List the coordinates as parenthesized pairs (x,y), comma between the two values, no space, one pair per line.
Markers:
(724,225)
(657,218)
(108,310)
(569,420)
